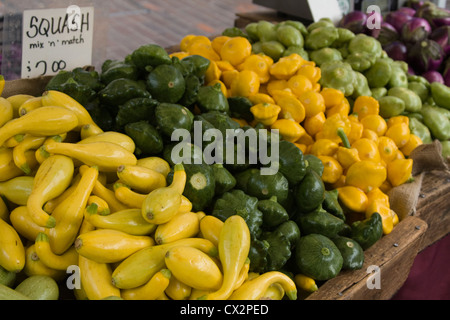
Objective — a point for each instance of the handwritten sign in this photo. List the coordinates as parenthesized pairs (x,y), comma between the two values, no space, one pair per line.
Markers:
(56,39)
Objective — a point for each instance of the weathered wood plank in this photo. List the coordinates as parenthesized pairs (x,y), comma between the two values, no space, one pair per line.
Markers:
(393,254)
(433,206)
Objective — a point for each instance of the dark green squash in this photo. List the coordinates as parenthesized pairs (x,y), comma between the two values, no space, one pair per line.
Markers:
(290,230)
(166,83)
(171,116)
(316,256)
(237,202)
(351,252)
(135,110)
(211,98)
(240,108)
(200,185)
(258,255)
(279,250)
(119,91)
(314,163)
(310,192)
(147,139)
(273,213)
(224,179)
(193,84)
(266,186)
(115,69)
(367,232)
(320,222)
(150,55)
(292,163)
(331,204)
(243,177)
(199,64)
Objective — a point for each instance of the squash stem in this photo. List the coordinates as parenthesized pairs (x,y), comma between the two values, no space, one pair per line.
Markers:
(344,138)
(178,167)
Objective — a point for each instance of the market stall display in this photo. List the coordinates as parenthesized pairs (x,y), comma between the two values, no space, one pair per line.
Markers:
(101,187)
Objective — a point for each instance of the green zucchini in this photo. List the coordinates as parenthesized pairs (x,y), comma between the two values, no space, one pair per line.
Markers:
(7,293)
(39,287)
(7,278)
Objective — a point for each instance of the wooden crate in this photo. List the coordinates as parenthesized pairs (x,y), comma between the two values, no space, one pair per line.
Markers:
(433,206)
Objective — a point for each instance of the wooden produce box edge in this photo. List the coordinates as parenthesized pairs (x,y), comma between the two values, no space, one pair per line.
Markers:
(393,253)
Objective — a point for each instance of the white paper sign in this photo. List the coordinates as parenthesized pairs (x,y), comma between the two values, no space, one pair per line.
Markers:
(325,9)
(56,39)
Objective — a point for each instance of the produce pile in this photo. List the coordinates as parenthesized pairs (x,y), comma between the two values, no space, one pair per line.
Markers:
(357,65)
(417,33)
(88,176)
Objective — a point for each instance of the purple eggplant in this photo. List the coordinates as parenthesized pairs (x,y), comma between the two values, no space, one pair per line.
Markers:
(354,21)
(386,34)
(442,36)
(415,30)
(408,11)
(439,22)
(425,55)
(396,50)
(435,15)
(414,4)
(433,76)
(397,19)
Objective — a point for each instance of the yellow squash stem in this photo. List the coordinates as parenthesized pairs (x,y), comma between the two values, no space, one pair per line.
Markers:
(52,260)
